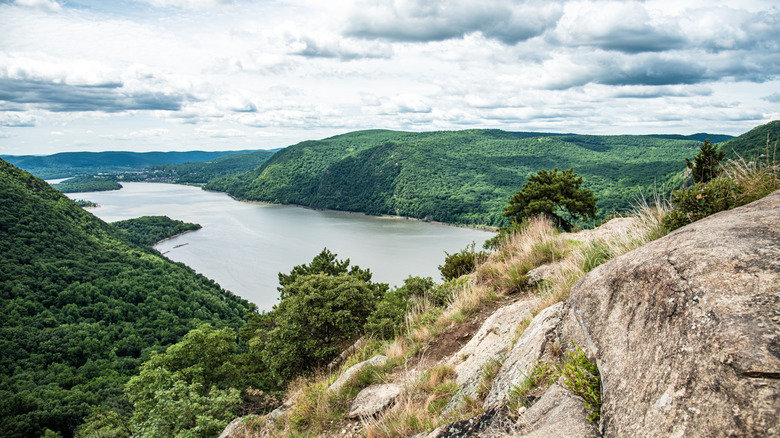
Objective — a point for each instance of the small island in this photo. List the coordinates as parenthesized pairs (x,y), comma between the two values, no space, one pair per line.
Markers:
(84,203)
(148,230)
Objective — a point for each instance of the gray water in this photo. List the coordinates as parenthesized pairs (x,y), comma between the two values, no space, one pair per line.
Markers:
(243,246)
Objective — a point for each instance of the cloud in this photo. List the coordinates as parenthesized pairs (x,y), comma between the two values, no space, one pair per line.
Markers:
(59,97)
(135,135)
(343,49)
(437,20)
(43,5)
(623,27)
(774,98)
(401,104)
(187,4)
(652,92)
(16,120)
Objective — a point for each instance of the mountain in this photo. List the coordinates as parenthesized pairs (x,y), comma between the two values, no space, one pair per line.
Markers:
(83,307)
(754,142)
(67,164)
(463,177)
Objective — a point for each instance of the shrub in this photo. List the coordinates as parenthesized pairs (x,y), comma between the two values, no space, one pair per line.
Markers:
(388,318)
(581,376)
(700,201)
(461,263)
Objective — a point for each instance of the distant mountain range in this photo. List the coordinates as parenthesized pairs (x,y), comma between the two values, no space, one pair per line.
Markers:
(68,164)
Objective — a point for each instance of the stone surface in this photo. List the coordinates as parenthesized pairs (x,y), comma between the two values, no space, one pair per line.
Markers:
(557,414)
(376,361)
(526,352)
(683,331)
(374,399)
(487,424)
(232,428)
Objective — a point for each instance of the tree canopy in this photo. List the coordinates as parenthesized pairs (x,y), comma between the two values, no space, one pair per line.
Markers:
(556,195)
(704,166)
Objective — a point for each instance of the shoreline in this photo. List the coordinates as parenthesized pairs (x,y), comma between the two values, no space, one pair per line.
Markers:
(377,216)
(175,236)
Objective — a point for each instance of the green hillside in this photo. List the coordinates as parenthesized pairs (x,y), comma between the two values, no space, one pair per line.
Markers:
(82,308)
(67,164)
(754,142)
(456,176)
(202,171)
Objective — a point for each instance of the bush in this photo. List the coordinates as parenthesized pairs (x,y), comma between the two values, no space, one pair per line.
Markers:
(461,263)
(388,318)
(700,201)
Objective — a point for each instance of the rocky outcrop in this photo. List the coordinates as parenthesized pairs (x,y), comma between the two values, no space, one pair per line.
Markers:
(529,349)
(376,361)
(374,399)
(557,414)
(683,332)
(491,342)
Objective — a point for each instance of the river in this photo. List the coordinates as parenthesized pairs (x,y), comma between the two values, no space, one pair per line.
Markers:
(243,246)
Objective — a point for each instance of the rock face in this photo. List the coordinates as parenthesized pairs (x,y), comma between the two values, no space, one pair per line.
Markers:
(374,399)
(530,348)
(557,414)
(683,330)
(491,341)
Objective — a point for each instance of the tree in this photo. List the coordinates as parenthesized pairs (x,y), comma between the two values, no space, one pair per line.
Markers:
(323,263)
(704,166)
(556,195)
(319,313)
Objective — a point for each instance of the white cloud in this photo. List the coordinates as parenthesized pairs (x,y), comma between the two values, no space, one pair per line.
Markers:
(187,4)
(44,5)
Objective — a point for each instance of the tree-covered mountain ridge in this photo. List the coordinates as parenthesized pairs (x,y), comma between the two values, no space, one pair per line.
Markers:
(83,307)
(461,177)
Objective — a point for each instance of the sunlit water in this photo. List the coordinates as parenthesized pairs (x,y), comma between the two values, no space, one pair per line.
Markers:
(243,246)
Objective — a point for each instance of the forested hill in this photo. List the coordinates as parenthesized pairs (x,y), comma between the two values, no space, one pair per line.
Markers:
(82,307)
(457,176)
(67,164)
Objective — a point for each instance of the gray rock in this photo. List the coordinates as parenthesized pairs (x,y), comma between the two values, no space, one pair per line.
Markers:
(682,329)
(529,349)
(491,342)
(557,414)
(373,400)
(232,429)
(376,361)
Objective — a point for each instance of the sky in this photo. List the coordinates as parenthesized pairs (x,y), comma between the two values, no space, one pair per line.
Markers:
(161,75)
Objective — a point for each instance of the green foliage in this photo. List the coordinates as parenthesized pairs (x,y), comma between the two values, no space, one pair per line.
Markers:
(557,196)
(191,389)
(388,318)
(88,183)
(460,263)
(700,201)
(704,166)
(457,177)
(83,203)
(581,376)
(148,230)
(82,308)
(322,306)
(200,172)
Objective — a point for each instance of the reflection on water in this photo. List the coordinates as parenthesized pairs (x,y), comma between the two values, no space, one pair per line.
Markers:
(243,246)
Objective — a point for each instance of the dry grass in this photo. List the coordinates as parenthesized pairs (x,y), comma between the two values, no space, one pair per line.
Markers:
(756,178)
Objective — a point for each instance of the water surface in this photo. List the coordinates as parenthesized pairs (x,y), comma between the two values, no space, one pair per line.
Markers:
(243,246)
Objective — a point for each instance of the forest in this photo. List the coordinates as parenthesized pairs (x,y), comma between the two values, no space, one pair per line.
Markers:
(69,164)
(460,177)
(83,308)
(88,183)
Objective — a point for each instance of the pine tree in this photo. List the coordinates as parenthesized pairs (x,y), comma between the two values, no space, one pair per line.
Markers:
(556,195)
(704,166)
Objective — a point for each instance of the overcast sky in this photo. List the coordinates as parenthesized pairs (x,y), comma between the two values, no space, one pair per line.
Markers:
(91,75)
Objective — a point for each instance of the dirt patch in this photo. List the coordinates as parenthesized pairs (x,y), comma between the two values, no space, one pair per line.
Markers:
(454,337)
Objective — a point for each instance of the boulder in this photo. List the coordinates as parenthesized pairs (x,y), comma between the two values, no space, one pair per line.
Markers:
(377,361)
(232,429)
(685,331)
(491,342)
(373,400)
(529,348)
(557,414)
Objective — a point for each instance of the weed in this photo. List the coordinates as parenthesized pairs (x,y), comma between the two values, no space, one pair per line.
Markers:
(581,376)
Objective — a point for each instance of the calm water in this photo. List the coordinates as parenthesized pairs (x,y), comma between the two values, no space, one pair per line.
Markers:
(243,246)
